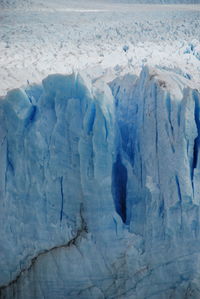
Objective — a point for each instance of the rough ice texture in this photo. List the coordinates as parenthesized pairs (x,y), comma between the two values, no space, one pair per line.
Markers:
(115,37)
(99,188)
(29,3)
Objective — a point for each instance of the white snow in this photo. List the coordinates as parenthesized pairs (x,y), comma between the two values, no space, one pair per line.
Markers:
(51,39)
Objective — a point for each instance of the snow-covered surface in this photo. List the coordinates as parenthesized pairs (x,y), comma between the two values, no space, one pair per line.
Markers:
(82,3)
(100,167)
(45,40)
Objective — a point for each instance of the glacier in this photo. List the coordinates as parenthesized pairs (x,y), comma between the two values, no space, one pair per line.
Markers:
(99,187)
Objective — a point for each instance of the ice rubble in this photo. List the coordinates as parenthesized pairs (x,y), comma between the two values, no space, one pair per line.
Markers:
(99,188)
(40,41)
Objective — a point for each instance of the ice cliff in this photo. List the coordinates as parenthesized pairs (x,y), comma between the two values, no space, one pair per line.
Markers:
(99,189)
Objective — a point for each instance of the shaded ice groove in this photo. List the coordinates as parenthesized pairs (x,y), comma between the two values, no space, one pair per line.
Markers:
(123,166)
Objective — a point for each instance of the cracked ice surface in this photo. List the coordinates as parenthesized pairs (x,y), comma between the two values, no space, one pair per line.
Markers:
(43,40)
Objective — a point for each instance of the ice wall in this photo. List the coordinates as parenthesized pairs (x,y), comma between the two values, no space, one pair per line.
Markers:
(158,117)
(99,188)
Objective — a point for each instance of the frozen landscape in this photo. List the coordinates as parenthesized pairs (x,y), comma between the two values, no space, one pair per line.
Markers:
(99,150)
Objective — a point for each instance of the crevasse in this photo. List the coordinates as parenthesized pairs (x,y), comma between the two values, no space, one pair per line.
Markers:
(99,188)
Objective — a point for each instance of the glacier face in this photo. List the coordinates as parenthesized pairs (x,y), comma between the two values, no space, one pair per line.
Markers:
(99,188)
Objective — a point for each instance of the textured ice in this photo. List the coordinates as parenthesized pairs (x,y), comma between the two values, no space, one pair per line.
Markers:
(62,36)
(99,188)
(29,3)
